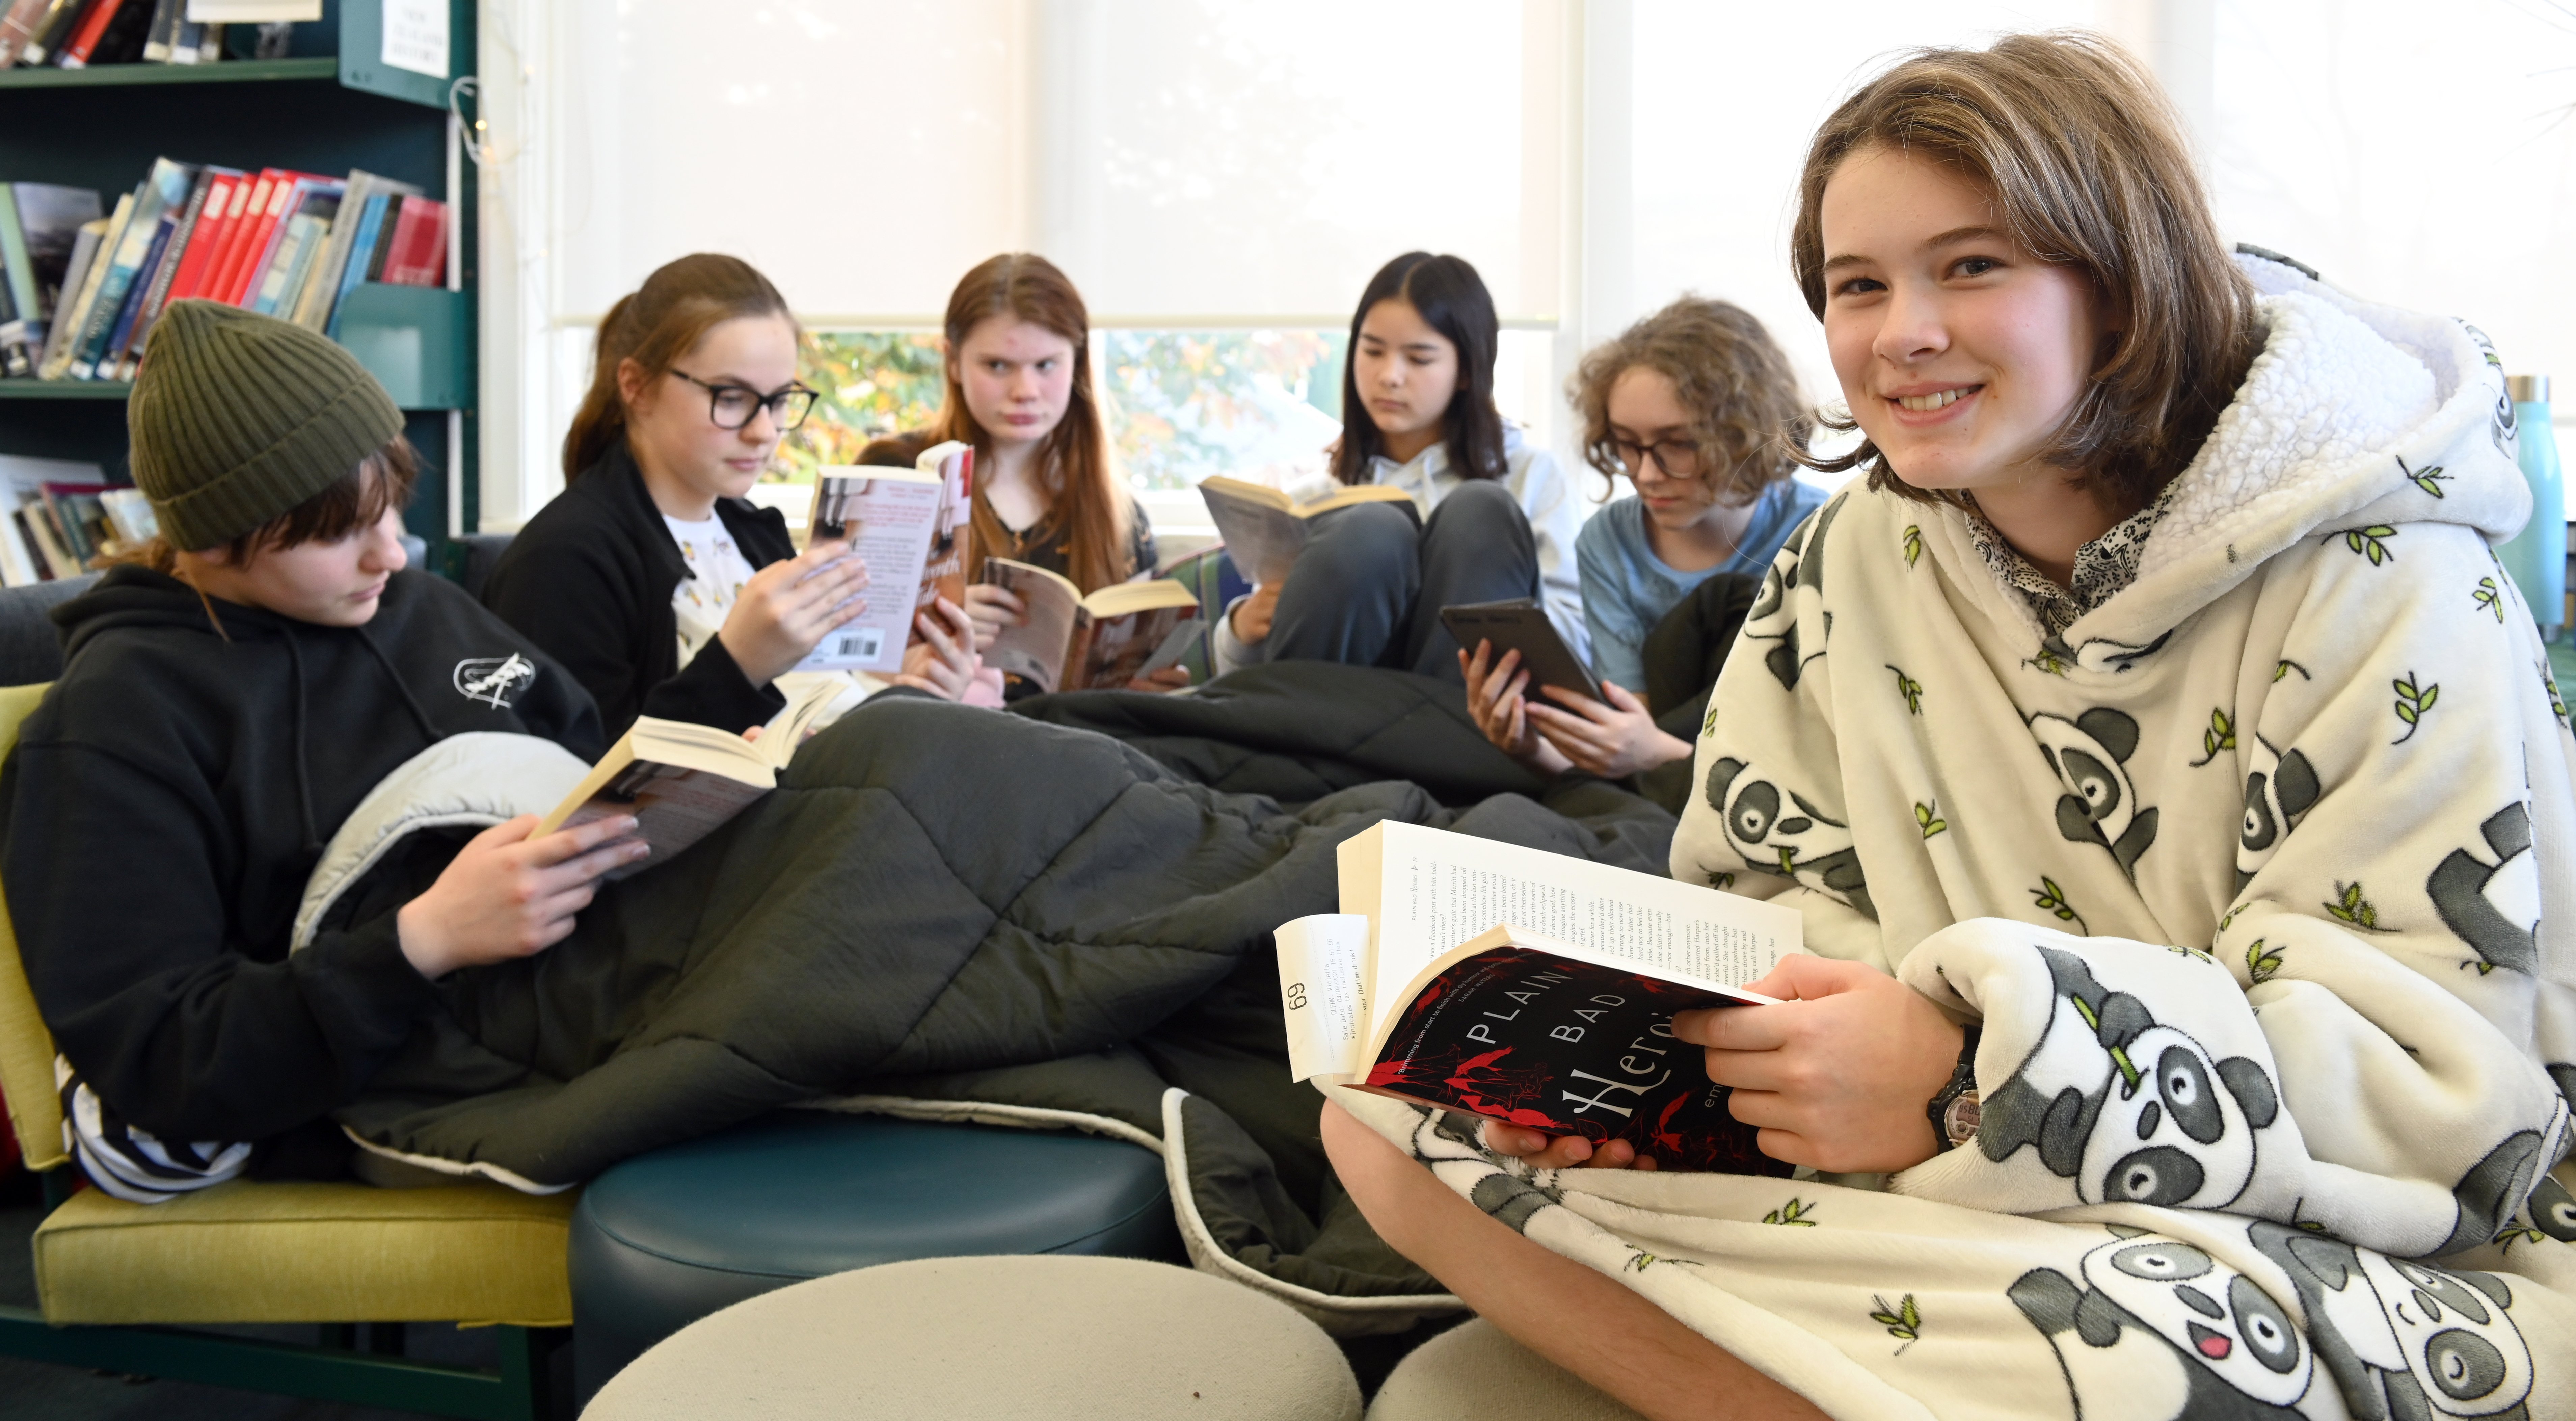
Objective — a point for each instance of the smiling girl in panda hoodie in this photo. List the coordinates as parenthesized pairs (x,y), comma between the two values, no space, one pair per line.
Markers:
(2180,810)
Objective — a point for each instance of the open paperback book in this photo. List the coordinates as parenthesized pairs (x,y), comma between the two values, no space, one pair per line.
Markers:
(1069,642)
(682,781)
(1264,530)
(1429,987)
(914,528)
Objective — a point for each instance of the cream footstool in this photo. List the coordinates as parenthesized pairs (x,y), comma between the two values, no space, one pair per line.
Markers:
(1031,1336)
(1476,1372)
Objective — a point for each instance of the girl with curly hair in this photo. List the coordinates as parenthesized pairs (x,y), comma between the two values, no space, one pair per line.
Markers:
(1698,409)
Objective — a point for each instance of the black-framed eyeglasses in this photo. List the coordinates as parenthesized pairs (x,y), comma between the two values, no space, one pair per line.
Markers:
(732,406)
(1678,458)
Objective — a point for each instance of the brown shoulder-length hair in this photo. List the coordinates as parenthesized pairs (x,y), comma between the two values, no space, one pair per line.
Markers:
(1747,424)
(1085,506)
(654,326)
(348,504)
(2087,167)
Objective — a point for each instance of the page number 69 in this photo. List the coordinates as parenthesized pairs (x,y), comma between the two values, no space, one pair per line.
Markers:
(1296,996)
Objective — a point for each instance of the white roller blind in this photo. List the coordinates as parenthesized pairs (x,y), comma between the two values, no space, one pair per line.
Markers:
(1724,100)
(1182,159)
(1202,158)
(863,155)
(2420,155)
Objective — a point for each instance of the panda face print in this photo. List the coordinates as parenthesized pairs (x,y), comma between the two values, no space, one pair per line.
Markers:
(2490,899)
(1776,831)
(2553,1210)
(2214,1315)
(2090,755)
(2172,1134)
(1773,828)
(2279,791)
(2503,424)
(2455,1335)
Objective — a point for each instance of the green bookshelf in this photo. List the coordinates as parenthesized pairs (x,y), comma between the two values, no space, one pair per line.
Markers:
(329,106)
(323,69)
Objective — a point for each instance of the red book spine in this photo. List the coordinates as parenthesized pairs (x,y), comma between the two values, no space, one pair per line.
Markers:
(214,223)
(258,229)
(247,205)
(76,53)
(419,253)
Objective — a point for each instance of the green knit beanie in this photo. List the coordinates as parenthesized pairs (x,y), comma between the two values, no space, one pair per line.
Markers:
(237,419)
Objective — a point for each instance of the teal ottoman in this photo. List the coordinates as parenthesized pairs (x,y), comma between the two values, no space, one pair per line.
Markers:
(667,1238)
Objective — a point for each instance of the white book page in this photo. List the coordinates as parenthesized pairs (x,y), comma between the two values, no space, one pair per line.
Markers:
(1438,889)
(1319,992)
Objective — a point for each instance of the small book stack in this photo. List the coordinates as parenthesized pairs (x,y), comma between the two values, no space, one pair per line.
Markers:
(75,34)
(85,283)
(59,518)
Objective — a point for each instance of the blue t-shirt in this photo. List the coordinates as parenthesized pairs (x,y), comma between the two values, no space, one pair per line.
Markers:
(1627,589)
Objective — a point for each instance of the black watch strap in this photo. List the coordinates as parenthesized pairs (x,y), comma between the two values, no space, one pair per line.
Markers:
(1962,1083)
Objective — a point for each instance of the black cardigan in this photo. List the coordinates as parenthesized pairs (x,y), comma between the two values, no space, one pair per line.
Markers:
(589,580)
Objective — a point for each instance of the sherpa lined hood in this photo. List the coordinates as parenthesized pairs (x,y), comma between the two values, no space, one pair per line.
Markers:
(2355,416)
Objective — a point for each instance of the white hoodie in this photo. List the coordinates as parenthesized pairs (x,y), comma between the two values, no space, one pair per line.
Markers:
(2262,879)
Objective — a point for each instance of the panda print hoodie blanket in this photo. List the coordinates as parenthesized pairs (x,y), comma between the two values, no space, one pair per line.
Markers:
(2262,879)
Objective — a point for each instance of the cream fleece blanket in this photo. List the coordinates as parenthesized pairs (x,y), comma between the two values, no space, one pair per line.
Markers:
(2263,881)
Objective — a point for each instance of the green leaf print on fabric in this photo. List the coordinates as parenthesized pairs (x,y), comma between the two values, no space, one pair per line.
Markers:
(1928,820)
(2549,683)
(1721,881)
(2371,542)
(2260,964)
(1911,690)
(1913,543)
(1640,1261)
(1794,1214)
(2353,910)
(2051,899)
(2489,599)
(2411,704)
(2286,667)
(1904,1322)
(2220,737)
(2048,662)
(2231,916)
(2430,480)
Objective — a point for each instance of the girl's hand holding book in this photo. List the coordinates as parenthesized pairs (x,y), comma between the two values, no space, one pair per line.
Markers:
(786,608)
(1839,1073)
(508,895)
(944,663)
(993,608)
(1252,615)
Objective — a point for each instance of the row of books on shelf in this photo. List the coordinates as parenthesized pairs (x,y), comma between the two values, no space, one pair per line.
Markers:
(74,34)
(83,286)
(62,518)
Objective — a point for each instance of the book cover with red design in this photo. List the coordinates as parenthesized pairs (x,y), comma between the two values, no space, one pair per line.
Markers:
(1547,1042)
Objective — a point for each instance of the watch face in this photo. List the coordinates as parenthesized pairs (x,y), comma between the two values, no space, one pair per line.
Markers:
(1959,1120)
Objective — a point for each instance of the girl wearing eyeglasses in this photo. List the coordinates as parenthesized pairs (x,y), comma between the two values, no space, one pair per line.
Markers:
(655,582)
(1698,408)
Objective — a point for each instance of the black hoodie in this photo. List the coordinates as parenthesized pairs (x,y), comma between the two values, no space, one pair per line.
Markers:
(590,579)
(171,795)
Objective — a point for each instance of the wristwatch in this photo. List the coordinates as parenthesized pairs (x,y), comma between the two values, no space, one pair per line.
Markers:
(1953,1110)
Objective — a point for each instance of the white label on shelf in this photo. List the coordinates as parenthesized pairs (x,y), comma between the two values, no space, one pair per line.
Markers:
(416,36)
(243,12)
